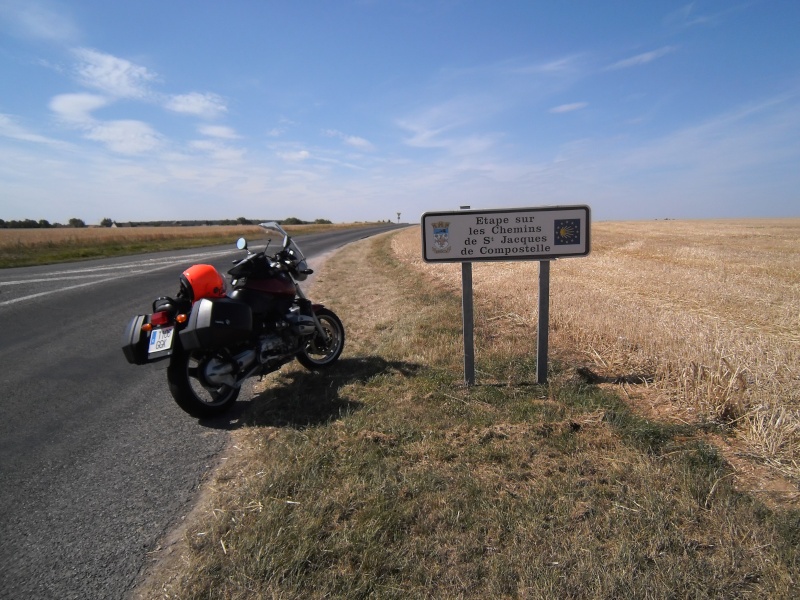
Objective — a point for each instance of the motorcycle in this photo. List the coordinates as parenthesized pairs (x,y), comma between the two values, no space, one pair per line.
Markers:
(215,339)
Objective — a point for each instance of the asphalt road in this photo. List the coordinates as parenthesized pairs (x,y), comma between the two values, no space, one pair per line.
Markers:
(97,462)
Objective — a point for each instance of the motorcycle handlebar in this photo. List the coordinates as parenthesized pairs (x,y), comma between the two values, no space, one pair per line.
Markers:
(283,260)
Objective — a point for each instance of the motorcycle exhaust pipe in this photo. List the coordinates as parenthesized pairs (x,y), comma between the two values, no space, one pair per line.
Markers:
(218,372)
(243,365)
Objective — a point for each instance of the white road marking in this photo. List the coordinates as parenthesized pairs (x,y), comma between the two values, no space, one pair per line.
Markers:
(48,279)
(64,289)
(141,265)
(149,268)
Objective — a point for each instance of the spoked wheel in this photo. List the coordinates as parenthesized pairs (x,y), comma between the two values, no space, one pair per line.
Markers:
(322,352)
(192,391)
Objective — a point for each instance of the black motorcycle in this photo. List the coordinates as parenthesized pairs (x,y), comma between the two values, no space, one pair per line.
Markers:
(214,339)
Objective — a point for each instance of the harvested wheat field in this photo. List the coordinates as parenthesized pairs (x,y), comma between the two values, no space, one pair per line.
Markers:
(694,321)
(59,236)
(24,247)
(72,235)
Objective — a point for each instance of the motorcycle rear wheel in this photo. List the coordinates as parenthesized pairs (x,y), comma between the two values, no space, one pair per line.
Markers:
(192,392)
(321,353)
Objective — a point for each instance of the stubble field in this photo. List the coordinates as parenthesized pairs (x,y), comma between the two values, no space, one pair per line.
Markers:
(703,316)
(24,247)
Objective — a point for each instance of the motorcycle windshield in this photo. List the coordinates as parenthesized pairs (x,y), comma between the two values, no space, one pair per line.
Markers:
(272,228)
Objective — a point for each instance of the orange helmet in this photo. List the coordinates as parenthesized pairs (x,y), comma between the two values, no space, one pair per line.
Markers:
(203,281)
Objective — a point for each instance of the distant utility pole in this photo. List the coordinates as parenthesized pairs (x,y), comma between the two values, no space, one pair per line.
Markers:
(398,217)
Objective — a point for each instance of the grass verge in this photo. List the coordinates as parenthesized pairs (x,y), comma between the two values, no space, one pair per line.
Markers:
(386,478)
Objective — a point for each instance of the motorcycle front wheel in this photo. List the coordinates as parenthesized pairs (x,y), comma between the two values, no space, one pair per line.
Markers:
(322,352)
(192,392)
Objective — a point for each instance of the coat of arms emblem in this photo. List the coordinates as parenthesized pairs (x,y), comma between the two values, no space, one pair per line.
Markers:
(441,241)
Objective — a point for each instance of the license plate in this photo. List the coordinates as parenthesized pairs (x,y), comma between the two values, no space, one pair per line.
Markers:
(160,340)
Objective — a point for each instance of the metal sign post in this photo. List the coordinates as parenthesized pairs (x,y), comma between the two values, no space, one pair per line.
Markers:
(504,234)
(468,321)
(544,321)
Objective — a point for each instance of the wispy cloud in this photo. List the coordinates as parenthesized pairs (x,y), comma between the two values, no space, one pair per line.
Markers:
(557,66)
(36,20)
(206,105)
(10,128)
(294,155)
(431,135)
(701,170)
(351,140)
(283,126)
(126,136)
(219,131)
(115,76)
(688,15)
(641,59)
(565,108)
(121,78)
(218,151)
(76,109)
(752,134)
(468,118)
(453,125)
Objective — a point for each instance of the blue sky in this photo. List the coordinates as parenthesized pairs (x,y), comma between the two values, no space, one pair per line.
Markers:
(359,109)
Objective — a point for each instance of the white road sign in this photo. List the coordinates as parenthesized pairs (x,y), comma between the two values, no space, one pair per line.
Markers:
(542,233)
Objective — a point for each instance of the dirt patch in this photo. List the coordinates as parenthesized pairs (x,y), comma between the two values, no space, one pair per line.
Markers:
(756,478)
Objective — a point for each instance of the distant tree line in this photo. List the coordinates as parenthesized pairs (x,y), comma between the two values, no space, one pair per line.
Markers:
(239,221)
(40,224)
(106,222)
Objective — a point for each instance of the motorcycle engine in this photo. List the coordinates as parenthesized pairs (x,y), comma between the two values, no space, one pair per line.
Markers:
(301,324)
(268,346)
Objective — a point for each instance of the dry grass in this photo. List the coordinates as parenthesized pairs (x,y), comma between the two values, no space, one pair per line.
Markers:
(708,311)
(387,478)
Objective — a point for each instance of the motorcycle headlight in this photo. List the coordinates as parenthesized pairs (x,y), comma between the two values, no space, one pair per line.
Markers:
(298,268)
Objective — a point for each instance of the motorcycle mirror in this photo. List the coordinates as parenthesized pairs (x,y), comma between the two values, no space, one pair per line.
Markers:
(241,244)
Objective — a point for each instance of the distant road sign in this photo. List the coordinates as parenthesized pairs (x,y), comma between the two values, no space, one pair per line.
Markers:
(542,233)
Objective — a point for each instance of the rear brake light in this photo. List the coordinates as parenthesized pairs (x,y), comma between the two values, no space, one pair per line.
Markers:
(159,318)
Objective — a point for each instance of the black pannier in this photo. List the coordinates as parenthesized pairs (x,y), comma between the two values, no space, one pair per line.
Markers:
(216,323)
(136,343)
(134,340)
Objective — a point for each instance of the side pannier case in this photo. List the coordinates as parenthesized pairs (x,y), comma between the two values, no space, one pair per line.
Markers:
(134,341)
(216,323)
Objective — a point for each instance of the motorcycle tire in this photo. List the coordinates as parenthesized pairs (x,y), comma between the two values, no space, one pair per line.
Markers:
(194,395)
(319,353)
